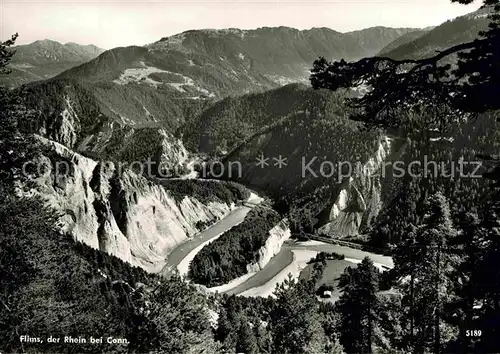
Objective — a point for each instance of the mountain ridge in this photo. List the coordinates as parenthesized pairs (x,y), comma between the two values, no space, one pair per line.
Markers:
(452,32)
(44,59)
(212,64)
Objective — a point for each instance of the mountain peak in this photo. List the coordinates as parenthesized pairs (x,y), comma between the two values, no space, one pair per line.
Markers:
(73,44)
(46,58)
(45,42)
(50,43)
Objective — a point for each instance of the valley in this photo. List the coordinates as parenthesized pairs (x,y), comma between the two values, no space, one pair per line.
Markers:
(291,259)
(161,194)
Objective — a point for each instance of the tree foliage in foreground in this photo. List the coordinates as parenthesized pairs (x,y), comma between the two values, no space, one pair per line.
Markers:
(424,263)
(401,90)
(297,323)
(417,96)
(357,307)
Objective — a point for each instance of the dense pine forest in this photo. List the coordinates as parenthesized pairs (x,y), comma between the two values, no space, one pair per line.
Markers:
(227,257)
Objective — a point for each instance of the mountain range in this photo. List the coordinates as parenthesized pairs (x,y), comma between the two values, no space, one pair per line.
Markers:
(200,64)
(44,59)
(168,82)
(203,63)
(213,91)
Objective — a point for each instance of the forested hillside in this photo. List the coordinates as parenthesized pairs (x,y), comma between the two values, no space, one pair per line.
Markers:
(132,107)
(227,123)
(75,115)
(382,165)
(203,64)
(320,147)
(446,250)
(452,167)
(54,286)
(403,40)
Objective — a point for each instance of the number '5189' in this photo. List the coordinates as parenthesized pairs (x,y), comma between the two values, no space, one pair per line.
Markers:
(473,333)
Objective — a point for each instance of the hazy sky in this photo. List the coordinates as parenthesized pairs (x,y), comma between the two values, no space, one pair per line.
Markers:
(109,24)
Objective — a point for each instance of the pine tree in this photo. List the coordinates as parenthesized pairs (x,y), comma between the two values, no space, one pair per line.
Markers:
(357,307)
(470,251)
(7,122)
(246,341)
(295,321)
(483,277)
(423,262)
(261,335)
(224,326)
(402,92)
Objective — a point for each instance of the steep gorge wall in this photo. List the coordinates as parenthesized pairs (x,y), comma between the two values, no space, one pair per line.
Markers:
(119,213)
(277,236)
(359,200)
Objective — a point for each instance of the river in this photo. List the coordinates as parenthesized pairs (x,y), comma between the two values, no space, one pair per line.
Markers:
(181,256)
(292,258)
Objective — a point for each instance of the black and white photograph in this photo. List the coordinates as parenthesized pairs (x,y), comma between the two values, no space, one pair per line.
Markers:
(250,177)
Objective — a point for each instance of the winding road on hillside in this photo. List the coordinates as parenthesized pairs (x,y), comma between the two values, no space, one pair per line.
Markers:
(292,258)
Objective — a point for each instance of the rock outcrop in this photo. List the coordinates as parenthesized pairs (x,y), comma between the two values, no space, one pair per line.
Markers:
(277,236)
(359,199)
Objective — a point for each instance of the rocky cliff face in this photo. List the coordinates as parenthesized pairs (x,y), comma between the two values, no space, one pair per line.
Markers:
(86,172)
(120,213)
(277,236)
(359,199)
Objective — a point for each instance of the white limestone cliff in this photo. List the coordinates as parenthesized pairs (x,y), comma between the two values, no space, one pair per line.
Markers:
(359,200)
(127,216)
(277,236)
